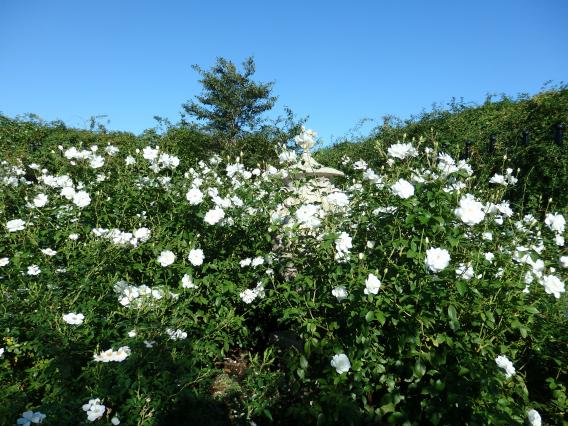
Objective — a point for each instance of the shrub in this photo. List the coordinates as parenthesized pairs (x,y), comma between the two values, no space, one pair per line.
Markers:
(402,294)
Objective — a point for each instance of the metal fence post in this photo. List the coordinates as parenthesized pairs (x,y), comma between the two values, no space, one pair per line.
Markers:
(558,134)
(525,135)
(468,146)
(492,143)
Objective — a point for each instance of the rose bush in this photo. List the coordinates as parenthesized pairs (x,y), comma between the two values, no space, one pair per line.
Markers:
(401,295)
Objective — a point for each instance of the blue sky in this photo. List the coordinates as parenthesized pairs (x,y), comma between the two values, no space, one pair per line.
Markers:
(336,61)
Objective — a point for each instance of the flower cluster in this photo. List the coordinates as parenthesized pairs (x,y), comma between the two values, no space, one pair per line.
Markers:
(94,409)
(122,238)
(111,355)
(402,151)
(176,334)
(507,179)
(29,417)
(159,160)
(249,295)
(139,296)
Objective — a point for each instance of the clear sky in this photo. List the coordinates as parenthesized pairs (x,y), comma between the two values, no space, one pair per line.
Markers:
(336,61)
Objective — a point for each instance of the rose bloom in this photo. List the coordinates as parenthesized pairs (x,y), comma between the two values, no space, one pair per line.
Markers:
(553,285)
(248,295)
(187,282)
(143,234)
(372,285)
(15,225)
(470,211)
(67,192)
(94,409)
(166,258)
(403,189)
(81,199)
(465,271)
(401,151)
(194,196)
(196,257)
(40,200)
(4,261)
(340,292)
(307,215)
(534,418)
(341,363)
(29,417)
(73,318)
(214,216)
(34,270)
(555,222)
(504,363)
(343,243)
(49,252)
(437,259)
(338,199)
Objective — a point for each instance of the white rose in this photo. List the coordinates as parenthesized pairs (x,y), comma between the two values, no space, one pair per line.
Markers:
(81,199)
(504,363)
(40,200)
(196,257)
(73,318)
(214,216)
(534,418)
(401,151)
(194,196)
(166,258)
(372,285)
(437,259)
(555,222)
(470,211)
(340,292)
(341,363)
(403,189)
(552,285)
(15,225)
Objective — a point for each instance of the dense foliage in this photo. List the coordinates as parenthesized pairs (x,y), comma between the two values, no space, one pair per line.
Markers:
(543,165)
(144,288)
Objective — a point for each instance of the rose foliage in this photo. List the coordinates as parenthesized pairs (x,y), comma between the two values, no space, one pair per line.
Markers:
(139,288)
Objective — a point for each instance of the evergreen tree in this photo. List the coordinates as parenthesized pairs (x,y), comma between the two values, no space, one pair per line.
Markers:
(231,103)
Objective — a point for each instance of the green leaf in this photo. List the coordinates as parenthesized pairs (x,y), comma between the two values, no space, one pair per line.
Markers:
(454,323)
(532,310)
(370,316)
(462,287)
(452,313)
(419,369)
(380,317)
